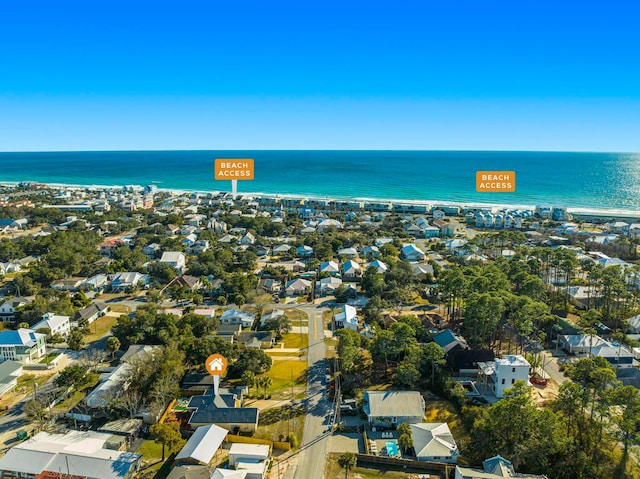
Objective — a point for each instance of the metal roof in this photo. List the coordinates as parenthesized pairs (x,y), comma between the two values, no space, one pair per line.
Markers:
(203,445)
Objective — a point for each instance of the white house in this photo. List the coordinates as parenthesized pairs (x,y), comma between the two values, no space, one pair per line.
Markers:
(242,455)
(351,270)
(380,267)
(434,442)
(502,373)
(298,286)
(54,323)
(236,316)
(124,280)
(9,307)
(347,318)
(175,259)
(411,252)
(390,408)
(10,371)
(23,345)
(330,267)
(327,286)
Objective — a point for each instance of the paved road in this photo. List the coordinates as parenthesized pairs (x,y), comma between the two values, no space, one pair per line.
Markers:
(314,444)
(552,369)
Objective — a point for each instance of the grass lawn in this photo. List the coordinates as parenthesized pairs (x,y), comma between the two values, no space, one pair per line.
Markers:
(277,423)
(69,403)
(48,358)
(100,327)
(281,373)
(443,411)
(332,469)
(276,354)
(297,318)
(152,457)
(295,340)
(120,308)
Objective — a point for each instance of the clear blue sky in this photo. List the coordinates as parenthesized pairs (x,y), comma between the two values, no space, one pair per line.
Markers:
(213,74)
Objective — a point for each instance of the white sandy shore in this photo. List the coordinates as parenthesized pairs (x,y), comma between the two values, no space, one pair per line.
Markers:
(502,206)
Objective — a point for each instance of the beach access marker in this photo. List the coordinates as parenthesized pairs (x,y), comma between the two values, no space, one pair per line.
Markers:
(216,364)
(234,169)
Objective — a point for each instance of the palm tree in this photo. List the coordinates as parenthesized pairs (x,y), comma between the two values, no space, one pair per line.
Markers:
(347,461)
(266,382)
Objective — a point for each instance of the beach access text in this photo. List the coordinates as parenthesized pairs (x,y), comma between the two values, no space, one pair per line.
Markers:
(495,181)
(234,169)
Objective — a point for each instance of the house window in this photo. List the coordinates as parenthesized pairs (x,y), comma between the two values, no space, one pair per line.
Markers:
(513,370)
(503,381)
(513,381)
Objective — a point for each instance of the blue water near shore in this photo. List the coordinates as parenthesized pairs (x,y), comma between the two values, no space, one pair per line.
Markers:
(576,180)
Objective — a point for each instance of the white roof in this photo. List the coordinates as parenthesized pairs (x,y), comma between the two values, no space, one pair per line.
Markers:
(51,321)
(203,444)
(348,315)
(512,360)
(172,257)
(238,449)
(228,474)
(433,439)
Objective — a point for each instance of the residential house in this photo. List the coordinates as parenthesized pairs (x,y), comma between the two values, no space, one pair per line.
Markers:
(10,371)
(494,468)
(349,253)
(237,316)
(351,270)
(304,250)
(382,241)
(223,410)
(151,250)
(55,324)
(85,454)
(297,287)
(23,345)
(281,249)
(109,247)
(422,270)
(371,252)
(111,386)
(580,344)
(175,259)
(271,285)
(122,281)
(438,214)
(185,281)
(202,446)
(327,286)
(198,247)
(347,318)
(273,314)
(69,284)
(500,374)
(449,341)
(9,267)
(434,442)
(248,239)
(329,223)
(229,332)
(208,312)
(89,314)
(252,458)
(387,409)
(330,267)
(9,307)
(379,266)
(255,339)
(172,230)
(412,253)
(95,283)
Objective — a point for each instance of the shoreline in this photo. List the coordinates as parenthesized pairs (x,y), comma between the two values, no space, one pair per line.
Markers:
(607,212)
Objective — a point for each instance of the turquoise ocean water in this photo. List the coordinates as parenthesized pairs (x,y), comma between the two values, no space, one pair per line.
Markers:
(577,180)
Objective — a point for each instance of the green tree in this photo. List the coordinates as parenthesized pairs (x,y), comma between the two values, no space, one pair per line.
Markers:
(75,339)
(347,461)
(113,344)
(168,435)
(72,376)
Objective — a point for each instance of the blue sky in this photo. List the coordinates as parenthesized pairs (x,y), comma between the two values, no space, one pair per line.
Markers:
(507,75)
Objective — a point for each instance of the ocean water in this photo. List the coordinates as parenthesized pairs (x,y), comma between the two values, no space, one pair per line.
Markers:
(608,181)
